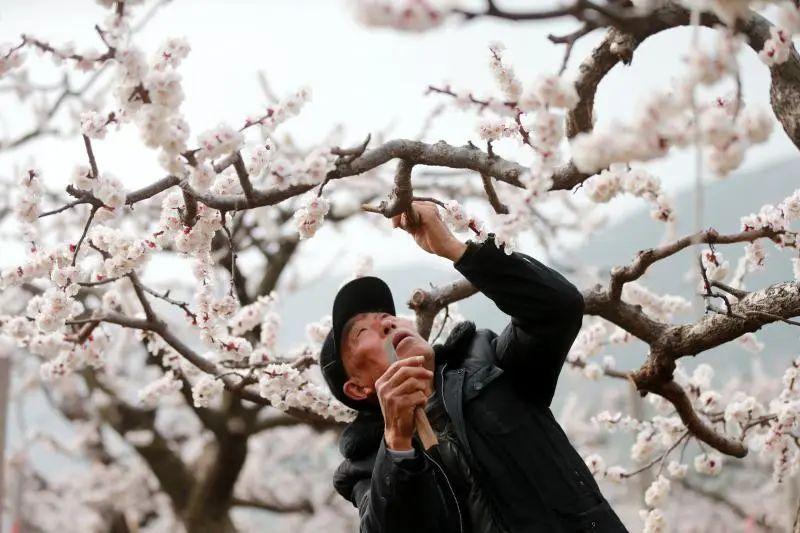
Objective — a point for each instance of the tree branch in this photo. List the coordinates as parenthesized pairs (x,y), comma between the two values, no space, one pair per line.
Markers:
(645,258)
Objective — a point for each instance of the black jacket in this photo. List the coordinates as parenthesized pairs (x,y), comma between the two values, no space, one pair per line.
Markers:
(504,463)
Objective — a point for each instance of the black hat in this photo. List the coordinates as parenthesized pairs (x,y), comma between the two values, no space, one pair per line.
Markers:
(367,294)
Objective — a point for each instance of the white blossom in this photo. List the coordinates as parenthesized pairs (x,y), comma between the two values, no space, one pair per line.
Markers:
(677,470)
(218,141)
(206,390)
(654,521)
(11,57)
(405,15)
(167,384)
(657,492)
(308,218)
(596,464)
(750,342)
(109,190)
(708,463)
(615,474)
(94,124)
(592,371)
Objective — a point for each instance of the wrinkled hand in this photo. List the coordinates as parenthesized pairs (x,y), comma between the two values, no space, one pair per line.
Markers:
(430,232)
(401,389)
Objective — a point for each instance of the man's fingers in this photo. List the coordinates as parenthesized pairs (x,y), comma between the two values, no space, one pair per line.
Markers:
(402,375)
(407,387)
(406,373)
(415,361)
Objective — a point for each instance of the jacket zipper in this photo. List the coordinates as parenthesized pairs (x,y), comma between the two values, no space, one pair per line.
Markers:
(458,507)
(449,486)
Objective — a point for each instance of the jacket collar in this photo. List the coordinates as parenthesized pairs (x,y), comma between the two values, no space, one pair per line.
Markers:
(362,436)
(454,348)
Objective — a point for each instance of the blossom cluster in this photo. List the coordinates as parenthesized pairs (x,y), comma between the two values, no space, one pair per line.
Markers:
(149,94)
(405,15)
(661,307)
(152,393)
(106,187)
(124,253)
(192,239)
(503,73)
(217,141)
(664,119)
(11,57)
(316,332)
(457,218)
(280,113)
(535,122)
(287,388)
(777,218)
(308,218)
(206,390)
(94,125)
(251,315)
(618,177)
(74,357)
(27,202)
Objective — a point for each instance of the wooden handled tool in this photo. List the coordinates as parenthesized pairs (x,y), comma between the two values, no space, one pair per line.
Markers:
(423,425)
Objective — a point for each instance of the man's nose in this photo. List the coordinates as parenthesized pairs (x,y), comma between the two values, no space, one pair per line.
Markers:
(388,325)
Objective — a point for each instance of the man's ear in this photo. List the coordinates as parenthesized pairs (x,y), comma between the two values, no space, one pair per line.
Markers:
(355,391)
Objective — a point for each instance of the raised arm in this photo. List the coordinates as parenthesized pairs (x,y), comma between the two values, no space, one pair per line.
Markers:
(546,310)
(546,313)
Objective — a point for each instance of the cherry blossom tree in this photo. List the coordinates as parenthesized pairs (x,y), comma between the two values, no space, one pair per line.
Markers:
(185,409)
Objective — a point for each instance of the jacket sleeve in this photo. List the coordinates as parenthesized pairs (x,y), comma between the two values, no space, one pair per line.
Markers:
(546,313)
(403,497)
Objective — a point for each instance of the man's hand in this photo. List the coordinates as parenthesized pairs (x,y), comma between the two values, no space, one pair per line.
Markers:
(430,231)
(401,389)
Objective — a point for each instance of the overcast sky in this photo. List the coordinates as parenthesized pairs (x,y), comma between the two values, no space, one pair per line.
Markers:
(366,79)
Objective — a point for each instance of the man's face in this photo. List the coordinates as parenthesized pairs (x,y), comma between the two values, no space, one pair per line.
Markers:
(364,354)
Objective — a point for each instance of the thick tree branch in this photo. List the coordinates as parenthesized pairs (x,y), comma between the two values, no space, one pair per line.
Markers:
(699,429)
(303,506)
(427,304)
(758,308)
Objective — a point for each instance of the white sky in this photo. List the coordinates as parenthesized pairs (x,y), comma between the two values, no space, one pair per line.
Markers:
(366,79)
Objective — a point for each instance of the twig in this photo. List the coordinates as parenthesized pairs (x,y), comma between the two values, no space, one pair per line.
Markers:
(244,177)
(645,258)
(660,458)
(99,282)
(233,254)
(83,235)
(570,40)
(92,162)
(498,206)
(707,286)
(70,205)
(183,305)
(722,500)
(148,309)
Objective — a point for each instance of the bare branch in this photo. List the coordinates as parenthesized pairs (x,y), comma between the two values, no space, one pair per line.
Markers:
(427,304)
(645,258)
(725,502)
(303,506)
(148,309)
(491,194)
(83,235)
(244,177)
(699,429)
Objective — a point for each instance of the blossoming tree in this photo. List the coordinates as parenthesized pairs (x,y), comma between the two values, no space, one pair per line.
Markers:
(195,389)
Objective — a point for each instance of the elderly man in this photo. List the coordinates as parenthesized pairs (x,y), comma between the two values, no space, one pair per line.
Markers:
(502,462)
